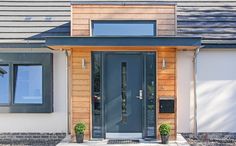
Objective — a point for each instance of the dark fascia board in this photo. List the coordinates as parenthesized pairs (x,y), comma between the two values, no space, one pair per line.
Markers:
(122,3)
(219,46)
(123,41)
(22,45)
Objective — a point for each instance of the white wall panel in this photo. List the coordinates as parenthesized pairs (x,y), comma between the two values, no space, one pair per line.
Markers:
(216,89)
(48,122)
(184,91)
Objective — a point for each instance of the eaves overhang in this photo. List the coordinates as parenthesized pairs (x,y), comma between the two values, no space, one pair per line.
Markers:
(219,44)
(78,42)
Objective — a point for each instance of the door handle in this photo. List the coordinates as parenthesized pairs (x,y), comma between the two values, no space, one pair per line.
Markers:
(140,95)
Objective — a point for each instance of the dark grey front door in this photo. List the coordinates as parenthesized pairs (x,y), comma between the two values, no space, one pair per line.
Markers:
(123,83)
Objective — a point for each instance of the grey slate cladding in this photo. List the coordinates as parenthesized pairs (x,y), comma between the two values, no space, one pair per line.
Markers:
(27,22)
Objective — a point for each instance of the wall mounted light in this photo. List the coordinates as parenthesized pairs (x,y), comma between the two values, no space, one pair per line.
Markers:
(163,63)
(83,63)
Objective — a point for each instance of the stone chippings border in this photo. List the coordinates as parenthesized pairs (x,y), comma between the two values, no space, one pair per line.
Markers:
(211,139)
(30,139)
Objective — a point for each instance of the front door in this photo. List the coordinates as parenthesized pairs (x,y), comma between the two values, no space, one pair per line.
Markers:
(123,87)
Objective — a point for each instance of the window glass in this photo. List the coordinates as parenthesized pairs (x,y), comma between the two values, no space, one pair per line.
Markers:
(97,96)
(124,91)
(150,95)
(28,84)
(124,28)
(4,84)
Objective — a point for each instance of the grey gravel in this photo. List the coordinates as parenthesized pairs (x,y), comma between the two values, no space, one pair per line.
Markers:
(29,142)
(31,139)
(211,139)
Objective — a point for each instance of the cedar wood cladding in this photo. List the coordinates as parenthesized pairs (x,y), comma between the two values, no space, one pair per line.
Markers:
(81,78)
(24,23)
(83,14)
(81,87)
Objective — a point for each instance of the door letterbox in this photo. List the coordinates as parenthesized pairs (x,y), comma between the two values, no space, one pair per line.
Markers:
(166,106)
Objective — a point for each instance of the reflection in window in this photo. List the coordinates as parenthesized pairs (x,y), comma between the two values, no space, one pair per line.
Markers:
(97,100)
(151,95)
(124,91)
(28,84)
(123,28)
(4,84)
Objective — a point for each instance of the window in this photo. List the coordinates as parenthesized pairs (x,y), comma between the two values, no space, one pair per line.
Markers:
(97,95)
(26,84)
(150,95)
(124,28)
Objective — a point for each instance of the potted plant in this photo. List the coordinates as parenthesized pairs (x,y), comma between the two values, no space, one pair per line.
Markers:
(79,132)
(164,130)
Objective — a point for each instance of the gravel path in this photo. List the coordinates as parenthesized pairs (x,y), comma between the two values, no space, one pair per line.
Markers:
(210,141)
(29,143)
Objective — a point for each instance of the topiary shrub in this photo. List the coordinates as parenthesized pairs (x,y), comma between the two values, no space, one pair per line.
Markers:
(80,128)
(164,129)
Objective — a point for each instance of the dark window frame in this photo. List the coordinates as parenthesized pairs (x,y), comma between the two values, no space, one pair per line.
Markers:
(44,59)
(154,22)
(9,84)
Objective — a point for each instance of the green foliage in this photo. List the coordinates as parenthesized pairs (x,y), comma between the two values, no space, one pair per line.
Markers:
(164,129)
(80,128)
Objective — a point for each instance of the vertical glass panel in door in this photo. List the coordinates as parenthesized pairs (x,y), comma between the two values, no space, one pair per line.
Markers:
(28,84)
(4,84)
(96,96)
(124,91)
(123,28)
(150,95)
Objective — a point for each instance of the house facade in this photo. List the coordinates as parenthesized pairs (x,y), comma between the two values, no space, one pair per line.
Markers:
(121,67)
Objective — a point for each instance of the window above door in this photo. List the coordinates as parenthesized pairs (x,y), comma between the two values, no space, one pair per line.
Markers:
(123,28)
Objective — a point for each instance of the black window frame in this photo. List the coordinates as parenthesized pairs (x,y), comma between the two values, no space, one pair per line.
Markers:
(154,22)
(9,86)
(44,59)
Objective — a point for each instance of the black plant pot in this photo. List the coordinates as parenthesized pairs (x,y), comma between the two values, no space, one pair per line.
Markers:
(164,139)
(79,138)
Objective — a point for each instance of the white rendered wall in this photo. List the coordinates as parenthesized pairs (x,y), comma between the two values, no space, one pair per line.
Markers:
(216,91)
(184,91)
(48,122)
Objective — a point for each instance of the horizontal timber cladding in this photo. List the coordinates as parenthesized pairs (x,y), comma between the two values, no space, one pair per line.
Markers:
(81,85)
(82,15)
(30,20)
(81,89)
(166,87)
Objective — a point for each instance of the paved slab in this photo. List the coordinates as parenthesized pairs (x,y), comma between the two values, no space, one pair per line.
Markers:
(179,142)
